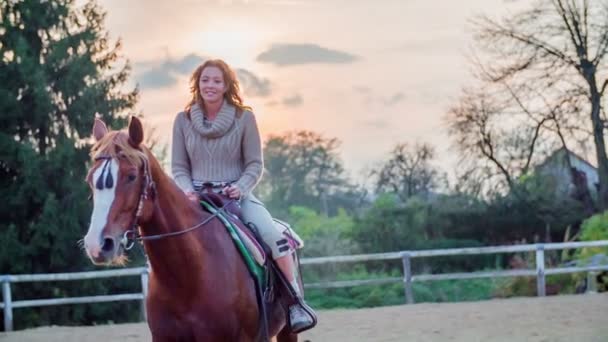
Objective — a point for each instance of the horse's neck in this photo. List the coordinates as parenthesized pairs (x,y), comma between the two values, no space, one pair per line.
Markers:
(176,255)
(193,264)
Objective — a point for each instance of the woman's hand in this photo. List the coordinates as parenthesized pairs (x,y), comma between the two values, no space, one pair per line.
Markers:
(193,196)
(232,191)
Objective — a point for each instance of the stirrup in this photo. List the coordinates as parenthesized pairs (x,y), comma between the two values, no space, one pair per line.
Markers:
(309,322)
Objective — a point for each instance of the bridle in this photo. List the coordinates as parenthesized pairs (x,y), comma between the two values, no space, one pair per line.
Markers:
(148,190)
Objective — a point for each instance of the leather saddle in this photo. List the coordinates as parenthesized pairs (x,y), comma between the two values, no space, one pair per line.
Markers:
(222,201)
(249,234)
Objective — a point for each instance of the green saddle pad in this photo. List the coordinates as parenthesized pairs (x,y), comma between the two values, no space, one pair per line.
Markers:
(257,271)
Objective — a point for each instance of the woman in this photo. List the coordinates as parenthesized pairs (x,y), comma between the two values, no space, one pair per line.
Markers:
(216,140)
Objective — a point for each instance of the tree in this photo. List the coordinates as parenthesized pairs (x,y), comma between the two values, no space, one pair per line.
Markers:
(57,69)
(322,235)
(408,171)
(449,221)
(497,142)
(389,225)
(303,168)
(557,48)
(501,140)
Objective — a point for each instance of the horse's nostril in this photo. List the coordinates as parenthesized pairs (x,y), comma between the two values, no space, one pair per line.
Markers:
(108,245)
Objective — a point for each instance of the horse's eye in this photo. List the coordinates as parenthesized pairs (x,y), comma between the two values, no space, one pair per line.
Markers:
(131,177)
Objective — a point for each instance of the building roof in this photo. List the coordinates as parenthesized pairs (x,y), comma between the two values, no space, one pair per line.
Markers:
(561,151)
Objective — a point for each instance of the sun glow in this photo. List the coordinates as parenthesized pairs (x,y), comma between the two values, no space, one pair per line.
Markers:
(236,45)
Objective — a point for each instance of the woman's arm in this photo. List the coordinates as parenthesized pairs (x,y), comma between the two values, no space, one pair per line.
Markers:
(252,155)
(180,162)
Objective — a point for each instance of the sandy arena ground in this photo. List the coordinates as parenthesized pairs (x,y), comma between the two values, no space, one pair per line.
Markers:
(565,318)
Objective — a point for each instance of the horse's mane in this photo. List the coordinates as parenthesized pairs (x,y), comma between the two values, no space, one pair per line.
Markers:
(115,144)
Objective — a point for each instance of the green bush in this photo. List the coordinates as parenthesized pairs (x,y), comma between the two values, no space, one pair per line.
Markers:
(526,286)
(447,291)
(322,235)
(594,228)
(394,293)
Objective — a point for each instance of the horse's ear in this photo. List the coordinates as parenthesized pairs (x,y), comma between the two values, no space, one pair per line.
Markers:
(136,132)
(99,129)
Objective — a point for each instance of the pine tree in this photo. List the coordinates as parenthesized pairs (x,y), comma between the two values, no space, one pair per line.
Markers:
(58,67)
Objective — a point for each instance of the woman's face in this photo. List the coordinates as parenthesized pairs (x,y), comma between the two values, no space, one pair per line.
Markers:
(212,85)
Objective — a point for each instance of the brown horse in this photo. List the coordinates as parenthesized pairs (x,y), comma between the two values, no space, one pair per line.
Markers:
(199,288)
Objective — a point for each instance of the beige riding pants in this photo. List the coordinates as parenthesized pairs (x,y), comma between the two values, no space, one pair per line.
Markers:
(253,211)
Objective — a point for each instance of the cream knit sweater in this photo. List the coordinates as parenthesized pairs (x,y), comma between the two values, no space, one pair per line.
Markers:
(226,149)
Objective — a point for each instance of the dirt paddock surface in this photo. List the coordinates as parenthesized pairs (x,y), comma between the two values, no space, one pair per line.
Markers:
(563,318)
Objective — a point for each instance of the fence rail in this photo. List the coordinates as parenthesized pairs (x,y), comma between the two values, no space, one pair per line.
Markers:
(408,278)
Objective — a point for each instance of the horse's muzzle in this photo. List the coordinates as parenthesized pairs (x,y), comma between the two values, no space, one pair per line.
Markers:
(109,252)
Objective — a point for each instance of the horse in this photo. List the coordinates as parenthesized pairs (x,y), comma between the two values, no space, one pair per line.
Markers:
(199,287)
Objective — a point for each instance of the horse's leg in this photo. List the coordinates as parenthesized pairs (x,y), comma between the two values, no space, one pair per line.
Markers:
(286,336)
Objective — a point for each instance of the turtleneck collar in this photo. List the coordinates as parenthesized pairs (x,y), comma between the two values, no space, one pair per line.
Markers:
(216,128)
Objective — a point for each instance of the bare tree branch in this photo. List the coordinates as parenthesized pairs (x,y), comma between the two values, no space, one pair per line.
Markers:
(494,29)
(408,172)
(604,87)
(541,49)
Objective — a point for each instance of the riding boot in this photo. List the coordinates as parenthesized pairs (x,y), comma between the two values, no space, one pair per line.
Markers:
(301,315)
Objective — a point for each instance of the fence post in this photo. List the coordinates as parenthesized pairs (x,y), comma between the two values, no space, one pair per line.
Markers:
(540,270)
(8,305)
(144,291)
(407,278)
(591,282)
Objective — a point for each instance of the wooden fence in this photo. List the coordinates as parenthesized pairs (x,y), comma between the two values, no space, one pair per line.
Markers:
(405,256)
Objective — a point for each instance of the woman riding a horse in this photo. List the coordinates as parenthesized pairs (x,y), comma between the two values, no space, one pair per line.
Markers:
(199,287)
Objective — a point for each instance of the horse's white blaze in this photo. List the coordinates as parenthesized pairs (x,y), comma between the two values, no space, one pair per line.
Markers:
(102,202)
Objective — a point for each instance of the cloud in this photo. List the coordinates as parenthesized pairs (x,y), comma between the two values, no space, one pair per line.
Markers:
(362,89)
(252,84)
(378,123)
(155,78)
(165,73)
(186,64)
(298,54)
(396,98)
(368,96)
(293,101)
(439,41)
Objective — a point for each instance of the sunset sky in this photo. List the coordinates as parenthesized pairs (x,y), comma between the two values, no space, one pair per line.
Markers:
(370,73)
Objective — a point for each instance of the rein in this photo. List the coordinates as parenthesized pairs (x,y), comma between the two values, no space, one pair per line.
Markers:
(132,235)
(180,232)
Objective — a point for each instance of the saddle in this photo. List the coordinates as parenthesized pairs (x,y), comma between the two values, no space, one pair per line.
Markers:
(222,201)
(248,234)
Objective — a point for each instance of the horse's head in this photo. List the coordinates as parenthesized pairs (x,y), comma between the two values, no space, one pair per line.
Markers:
(122,189)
